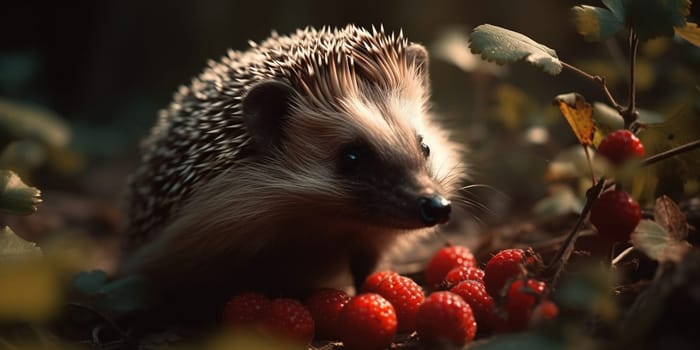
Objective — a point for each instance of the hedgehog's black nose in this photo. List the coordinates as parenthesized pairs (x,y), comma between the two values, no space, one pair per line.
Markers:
(434,210)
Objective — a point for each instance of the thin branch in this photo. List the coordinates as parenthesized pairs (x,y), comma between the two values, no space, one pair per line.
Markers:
(556,265)
(596,79)
(621,256)
(670,153)
(630,114)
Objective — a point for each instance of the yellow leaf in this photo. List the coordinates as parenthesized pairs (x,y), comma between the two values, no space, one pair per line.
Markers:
(579,114)
(690,32)
(29,291)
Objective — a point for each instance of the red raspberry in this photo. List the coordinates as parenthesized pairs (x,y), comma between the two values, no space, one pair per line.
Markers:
(325,305)
(367,322)
(445,260)
(615,214)
(288,318)
(482,304)
(464,273)
(372,282)
(521,301)
(405,296)
(619,146)
(244,309)
(445,316)
(547,310)
(506,265)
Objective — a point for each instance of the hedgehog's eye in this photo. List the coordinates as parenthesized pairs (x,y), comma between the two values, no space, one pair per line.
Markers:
(352,156)
(424,148)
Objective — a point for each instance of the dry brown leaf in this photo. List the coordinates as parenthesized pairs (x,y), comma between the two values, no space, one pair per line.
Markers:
(579,114)
(669,215)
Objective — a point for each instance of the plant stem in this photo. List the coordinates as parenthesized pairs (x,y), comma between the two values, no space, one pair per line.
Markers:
(621,256)
(556,265)
(670,153)
(596,79)
(630,114)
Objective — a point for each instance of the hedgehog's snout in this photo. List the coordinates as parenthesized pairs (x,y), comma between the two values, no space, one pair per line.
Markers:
(434,209)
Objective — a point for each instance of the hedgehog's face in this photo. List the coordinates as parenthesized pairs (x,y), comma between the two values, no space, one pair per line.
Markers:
(371,156)
(391,189)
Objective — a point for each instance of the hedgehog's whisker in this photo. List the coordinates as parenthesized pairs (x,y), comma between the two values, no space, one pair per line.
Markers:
(478,186)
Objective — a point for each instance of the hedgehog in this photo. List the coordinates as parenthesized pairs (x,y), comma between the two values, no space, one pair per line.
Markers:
(296,162)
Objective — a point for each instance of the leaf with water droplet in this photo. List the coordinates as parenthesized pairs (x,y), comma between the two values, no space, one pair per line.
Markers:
(506,46)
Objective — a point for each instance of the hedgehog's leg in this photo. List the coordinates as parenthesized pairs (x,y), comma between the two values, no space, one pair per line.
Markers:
(362,264)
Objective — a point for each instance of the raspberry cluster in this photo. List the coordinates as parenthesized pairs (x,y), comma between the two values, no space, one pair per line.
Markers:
(501,297)
(615,214)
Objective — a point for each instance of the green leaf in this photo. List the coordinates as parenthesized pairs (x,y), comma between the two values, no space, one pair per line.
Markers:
(653,18)
(617,7)
(117,296)
(656,242)
(506,46)
(15,196)
(13,246)
(90,283)
(595,23)
(690,32)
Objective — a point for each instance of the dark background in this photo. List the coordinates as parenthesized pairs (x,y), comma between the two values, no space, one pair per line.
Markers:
(106,67)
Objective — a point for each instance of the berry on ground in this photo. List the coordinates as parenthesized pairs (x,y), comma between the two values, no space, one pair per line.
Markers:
(444,316)
(619,146)
(506,265)
(367,322)
(546,310)
(288,318)
(372,282)
(522,297)
(325,305)
(445,260)
(463,273)
(244,309)
(482,304)
(615,214)
(405,296)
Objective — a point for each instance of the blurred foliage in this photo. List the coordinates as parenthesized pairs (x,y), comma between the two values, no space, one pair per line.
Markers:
(82,85)
(32,284)
(672,175)
(15,196)
(648,18)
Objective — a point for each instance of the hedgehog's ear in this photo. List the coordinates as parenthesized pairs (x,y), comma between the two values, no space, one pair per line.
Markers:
(418,55)
(265,108)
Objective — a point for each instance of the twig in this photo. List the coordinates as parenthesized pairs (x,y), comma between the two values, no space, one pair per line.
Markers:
(590,164)
(596,79)
(670,153)
(630,114)
(621,256)
(556,265)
